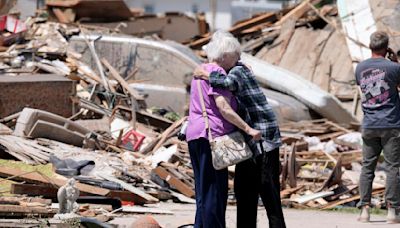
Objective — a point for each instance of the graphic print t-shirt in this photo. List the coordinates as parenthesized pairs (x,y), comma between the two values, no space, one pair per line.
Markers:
(378,79)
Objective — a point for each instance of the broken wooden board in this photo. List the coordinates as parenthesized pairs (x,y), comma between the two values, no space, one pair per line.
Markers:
(296,13)
(182,198)
(4,130)
(24,201)
(148,198)
(23,211)
(291,166)
(49,192)
(56,180)
(174,182)
(239,27)
(306,198)
(287,192)
(350,199)
(335,177)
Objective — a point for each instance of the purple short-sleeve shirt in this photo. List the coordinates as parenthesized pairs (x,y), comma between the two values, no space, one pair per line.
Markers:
(219,126)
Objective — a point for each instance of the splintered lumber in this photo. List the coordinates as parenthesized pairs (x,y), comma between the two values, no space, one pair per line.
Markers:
(239,27)
(153,120)
(292,167)
(10,117)
(63,17)
(24,200)
(146,197)
(296,13)
(50,192)
(182,198)
(174,182)
(287,192)
(307,198)
(37,178)
(167,132)
(134,94)
(357,197)
(338,126)
(16,210)
(335,177)
(121,80)
(35,190)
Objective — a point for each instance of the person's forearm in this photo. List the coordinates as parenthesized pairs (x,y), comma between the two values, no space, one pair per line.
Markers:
(230,115)
(218,80)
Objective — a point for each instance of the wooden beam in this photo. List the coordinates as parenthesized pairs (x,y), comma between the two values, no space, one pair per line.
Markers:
(15,210)
(295,13)
(145,197)
(174,182)
(357,197)
(337,126)
(166,133)
(62,17)
(56,180)
(50,192)
(238,28)
(121,80)
(24,200)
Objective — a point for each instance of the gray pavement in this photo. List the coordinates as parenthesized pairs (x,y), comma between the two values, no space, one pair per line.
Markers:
(184,214)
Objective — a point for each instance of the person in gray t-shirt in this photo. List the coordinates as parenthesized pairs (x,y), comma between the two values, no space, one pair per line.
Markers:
(379,79)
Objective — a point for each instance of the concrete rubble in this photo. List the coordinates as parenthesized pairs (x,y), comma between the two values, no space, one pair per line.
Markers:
(84,101)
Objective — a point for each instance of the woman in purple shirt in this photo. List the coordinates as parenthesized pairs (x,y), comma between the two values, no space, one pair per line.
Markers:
(212,185)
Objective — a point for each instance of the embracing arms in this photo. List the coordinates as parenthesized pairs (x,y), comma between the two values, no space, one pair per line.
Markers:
(217,80)
(230,115)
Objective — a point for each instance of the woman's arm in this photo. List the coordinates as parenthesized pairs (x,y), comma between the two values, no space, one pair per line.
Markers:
(230,115)
(217,79)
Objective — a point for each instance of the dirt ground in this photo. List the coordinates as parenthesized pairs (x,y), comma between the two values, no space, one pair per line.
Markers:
(184,214)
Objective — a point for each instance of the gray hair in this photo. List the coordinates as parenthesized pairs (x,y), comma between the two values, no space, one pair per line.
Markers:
(379,41)
(222,42)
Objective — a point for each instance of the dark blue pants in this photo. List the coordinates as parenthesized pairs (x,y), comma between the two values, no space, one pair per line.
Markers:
(211,186)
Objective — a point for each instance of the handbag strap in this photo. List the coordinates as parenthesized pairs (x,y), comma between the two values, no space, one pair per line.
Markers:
(204,111)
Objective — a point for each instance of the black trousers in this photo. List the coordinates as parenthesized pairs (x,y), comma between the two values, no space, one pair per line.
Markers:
(254,178)
(211,186)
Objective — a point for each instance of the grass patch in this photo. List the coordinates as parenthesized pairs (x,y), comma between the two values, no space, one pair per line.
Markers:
(47,170)
(5,185)
(354,210)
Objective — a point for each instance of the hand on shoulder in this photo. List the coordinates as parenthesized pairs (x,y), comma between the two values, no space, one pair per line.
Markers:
(200,73)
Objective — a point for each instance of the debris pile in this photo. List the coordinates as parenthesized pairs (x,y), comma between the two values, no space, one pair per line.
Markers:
(115,16)
(63,116)
(120,152)
(302,39)
(321,165)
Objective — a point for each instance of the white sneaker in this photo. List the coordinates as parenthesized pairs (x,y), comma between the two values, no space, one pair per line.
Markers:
(364,215)
(393,216)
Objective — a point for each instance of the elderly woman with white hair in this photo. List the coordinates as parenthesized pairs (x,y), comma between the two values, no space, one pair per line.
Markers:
(211,185)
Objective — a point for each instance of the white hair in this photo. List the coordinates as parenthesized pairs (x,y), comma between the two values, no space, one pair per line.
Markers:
(222,42)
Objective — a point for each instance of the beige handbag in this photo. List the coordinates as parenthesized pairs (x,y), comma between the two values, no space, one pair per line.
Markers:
(226,150)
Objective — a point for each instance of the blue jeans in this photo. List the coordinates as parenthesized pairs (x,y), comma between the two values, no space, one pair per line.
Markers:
(211,186)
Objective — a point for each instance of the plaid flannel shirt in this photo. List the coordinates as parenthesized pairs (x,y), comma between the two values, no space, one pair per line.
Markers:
(253,106)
